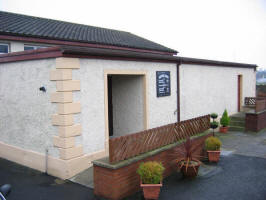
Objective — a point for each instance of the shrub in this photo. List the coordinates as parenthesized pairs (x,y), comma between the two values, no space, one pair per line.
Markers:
(213,144)
(214,115)
(187,155)
(151,172)
(214,125)
(225,119)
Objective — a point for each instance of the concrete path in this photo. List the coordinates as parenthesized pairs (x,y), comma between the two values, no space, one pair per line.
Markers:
(247,144)
(84,178)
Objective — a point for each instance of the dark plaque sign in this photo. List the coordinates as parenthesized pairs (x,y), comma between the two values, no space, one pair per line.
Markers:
(163,83)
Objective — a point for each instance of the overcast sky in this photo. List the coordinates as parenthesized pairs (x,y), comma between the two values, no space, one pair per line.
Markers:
(229,30)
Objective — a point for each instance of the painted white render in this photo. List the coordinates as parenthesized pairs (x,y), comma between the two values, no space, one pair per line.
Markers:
(161,110)
(25,111)
(128,108)
(206,89)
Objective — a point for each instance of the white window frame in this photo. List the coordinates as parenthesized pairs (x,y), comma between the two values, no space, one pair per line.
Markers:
(8,47)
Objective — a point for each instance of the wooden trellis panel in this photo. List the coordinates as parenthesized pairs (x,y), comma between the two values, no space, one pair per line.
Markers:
(250,101)
(127,146)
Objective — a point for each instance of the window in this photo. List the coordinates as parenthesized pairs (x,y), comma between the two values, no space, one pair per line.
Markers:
(4,48)
(32,47)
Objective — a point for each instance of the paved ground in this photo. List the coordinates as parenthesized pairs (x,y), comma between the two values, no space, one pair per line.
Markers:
(29,184)
(84,178)
(240,175)
(248,144)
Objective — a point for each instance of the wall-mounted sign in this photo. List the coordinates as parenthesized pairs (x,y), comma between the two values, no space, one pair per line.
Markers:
(163,83)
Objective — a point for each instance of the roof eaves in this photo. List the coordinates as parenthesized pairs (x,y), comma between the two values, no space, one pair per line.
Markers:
(44,53)
(187,60)
(103,53)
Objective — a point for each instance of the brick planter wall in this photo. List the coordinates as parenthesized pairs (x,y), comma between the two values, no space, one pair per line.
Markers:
(121,182)
(255,121)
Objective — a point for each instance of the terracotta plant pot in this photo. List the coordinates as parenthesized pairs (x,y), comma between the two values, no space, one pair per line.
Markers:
(190,171)
(223,129)
(214,156)
(151,191)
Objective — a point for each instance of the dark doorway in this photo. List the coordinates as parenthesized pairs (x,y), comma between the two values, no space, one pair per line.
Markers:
(110,106)
(125,95)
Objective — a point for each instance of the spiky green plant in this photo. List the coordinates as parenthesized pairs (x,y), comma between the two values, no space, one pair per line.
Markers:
(151,172)
(225,120)
(186,156)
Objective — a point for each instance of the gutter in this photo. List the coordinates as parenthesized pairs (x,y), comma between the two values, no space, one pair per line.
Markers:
(178,89)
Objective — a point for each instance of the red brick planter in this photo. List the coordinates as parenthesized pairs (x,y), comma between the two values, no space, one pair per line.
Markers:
(214,156)
(255,121)
(117,181)
(151,191)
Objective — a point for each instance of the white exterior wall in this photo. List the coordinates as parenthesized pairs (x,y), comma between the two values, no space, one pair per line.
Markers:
(92,117)
(16,46)
(128,109)
(207,89)
(25,111)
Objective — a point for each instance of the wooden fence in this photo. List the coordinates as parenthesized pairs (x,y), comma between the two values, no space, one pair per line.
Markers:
(258,102)
(250,101)
(128,146)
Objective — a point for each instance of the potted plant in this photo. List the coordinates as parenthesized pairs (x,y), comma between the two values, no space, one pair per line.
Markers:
(188,162)
(214,124)
(224,121)
(151,175)
(213,145)
(214,116)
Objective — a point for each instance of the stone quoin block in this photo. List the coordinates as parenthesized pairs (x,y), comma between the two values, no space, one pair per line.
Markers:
(61,74)
(68,108)
(62,120)
(69,153)
(64,142)
(69,85)
(67,63)
(69,131)
(61,97)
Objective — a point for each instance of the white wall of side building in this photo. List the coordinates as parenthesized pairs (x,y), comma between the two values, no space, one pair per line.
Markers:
(206,89)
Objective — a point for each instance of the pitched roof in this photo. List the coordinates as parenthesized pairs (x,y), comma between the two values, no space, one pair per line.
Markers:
(23,25)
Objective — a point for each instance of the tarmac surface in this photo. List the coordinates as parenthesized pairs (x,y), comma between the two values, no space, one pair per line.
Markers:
(240,175)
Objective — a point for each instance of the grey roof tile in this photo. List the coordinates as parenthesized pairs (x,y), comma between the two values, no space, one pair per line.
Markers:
(23,25)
